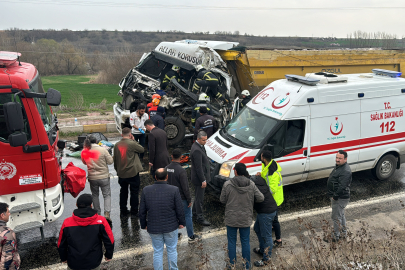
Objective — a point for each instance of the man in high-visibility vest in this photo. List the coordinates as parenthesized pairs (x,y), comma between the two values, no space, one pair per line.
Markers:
(271,173)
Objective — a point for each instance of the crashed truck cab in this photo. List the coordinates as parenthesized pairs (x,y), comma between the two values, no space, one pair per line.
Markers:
(143,80)
(304,121)
(30,149)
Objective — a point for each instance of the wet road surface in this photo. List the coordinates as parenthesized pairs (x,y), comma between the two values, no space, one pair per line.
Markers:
(128,235)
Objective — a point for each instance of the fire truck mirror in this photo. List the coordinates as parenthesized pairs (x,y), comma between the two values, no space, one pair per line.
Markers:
(53,97)
(17,139)
(13,116)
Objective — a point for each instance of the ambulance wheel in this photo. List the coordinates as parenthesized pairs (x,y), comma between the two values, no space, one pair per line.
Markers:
(385,167)
(175,130)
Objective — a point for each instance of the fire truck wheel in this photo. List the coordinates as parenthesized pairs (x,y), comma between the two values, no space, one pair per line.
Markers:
(385,167)
(175,130)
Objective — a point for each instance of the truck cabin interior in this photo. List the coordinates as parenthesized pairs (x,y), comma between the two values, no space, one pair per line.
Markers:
(157,69)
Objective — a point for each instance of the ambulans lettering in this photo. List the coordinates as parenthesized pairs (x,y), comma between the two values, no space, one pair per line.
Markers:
(217,150)
(387,127)
(7,170)
(386,115)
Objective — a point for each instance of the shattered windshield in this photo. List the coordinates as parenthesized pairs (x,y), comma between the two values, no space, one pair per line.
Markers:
(249,127)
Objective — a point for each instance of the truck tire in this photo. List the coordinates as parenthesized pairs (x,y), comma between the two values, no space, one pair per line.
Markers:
(127,101)
(385,167)
(175,130)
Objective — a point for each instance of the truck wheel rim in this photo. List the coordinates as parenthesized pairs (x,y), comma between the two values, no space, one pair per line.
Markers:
(386,168)
(171,131)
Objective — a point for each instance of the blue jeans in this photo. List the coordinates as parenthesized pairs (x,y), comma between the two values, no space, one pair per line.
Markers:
(158,242)
(263,230)
(189,219)
(244,233)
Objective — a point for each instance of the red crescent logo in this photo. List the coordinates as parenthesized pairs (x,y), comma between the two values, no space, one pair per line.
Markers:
(337,133)
(276,107)
(262,95)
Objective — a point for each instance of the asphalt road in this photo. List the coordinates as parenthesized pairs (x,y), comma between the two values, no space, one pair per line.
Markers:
(128,235)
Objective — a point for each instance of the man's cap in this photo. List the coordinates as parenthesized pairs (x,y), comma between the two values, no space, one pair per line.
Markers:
(203,109)
(84,200)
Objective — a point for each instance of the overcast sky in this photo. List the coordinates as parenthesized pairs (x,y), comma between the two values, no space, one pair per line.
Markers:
(258,17)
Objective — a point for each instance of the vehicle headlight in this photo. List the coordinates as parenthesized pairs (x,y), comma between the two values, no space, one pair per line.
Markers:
(55,201)
(226,168)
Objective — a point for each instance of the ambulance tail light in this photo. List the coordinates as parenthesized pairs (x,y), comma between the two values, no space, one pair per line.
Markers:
(226,168)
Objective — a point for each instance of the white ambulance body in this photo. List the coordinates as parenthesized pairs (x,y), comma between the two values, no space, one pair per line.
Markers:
(306,120)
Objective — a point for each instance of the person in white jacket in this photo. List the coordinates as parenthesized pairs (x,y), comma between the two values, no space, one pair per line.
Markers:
(97,160)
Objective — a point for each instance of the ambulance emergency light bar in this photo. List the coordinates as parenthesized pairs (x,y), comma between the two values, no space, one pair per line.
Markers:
(301,79)
(389,73)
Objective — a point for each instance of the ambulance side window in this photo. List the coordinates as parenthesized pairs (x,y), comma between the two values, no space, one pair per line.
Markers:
(277,140)
(295,134)
(289,138)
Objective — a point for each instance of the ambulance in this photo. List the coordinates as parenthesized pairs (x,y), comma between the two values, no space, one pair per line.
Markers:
(305,120)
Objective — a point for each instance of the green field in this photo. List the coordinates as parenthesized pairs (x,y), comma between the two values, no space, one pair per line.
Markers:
(92,93)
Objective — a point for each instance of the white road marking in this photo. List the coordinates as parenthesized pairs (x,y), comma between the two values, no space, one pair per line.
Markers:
(222,231)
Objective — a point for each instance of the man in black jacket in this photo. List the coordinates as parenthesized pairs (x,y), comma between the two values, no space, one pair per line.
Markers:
(81,237)
(205,122)
(161,214)
(158,153)
(200,175)
(266,212)
(178,177)
(339,183)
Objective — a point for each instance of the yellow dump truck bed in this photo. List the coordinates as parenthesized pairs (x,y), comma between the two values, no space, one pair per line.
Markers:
(253,69)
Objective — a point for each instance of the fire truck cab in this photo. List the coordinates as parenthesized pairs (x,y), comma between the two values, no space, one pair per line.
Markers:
(30,150)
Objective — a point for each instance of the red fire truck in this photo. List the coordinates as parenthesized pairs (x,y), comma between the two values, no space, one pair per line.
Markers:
(30,149)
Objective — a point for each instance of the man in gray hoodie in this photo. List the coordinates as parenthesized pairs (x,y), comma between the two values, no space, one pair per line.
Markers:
(239,194)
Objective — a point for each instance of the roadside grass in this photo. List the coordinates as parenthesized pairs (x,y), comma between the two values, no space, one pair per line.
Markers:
(78,94)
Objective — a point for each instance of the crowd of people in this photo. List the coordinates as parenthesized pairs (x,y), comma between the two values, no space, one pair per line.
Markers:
(166,205)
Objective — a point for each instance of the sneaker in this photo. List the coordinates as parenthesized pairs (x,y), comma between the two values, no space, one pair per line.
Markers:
(261,263)
(277,244)
(107,215)
(193,238)
(257,251)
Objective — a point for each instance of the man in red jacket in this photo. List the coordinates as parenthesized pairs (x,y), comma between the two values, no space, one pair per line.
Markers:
(81,237)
